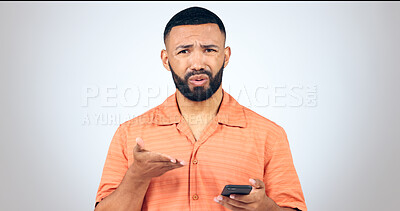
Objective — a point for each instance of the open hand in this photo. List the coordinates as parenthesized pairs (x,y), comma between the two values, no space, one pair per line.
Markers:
(152,164)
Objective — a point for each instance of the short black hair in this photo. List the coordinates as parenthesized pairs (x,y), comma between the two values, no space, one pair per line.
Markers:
(193,16)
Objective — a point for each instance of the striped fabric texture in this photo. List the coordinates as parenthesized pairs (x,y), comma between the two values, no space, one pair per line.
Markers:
(237,145)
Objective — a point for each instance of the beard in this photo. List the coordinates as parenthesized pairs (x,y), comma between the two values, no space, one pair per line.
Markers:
(199,93)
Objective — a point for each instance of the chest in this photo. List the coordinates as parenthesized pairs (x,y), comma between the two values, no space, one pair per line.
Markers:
(197,130)
(198,125)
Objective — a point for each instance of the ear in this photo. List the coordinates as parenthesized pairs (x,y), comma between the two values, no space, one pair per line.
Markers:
(164,59)
(227,53)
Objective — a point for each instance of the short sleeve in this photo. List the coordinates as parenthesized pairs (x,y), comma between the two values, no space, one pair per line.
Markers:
(115,166)
(280,177)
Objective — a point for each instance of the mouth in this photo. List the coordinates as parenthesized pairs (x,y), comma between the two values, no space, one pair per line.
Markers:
(198,80)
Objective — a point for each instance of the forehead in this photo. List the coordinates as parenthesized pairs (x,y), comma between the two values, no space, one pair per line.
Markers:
(204,33)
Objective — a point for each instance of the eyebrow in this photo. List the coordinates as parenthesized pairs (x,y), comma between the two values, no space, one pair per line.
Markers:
(202,46)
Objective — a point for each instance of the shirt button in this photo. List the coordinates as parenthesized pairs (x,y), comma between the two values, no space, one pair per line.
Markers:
(195,197)
(195,161)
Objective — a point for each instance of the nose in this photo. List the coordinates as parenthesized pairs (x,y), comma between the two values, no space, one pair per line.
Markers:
(197,61)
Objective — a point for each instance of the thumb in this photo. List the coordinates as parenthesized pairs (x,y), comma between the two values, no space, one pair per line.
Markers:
(139,144)
(256,183)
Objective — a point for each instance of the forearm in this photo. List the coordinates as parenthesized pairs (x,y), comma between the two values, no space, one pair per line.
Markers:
(128,196)
(271,205)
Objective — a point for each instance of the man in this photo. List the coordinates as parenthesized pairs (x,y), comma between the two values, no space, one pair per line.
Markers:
(180,155)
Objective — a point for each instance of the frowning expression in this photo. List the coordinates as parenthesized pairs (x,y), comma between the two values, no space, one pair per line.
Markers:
(196,55)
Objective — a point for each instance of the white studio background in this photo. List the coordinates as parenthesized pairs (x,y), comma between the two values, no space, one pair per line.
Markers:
(327,72)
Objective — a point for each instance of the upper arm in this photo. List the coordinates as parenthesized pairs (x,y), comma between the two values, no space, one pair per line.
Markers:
(280,176)
(115,166)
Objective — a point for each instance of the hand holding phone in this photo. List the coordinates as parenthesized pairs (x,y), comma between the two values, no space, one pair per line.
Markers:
(243,200)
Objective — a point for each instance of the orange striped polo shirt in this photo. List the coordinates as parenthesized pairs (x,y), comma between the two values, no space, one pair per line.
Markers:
(237,145)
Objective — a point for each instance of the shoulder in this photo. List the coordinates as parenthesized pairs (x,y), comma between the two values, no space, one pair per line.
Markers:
(262,124)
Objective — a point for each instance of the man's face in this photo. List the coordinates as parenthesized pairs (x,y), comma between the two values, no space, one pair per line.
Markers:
(196,56)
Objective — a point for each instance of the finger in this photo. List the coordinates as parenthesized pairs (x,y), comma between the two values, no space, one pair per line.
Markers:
(170,167)
(182,162)
(243,198)
(230,203)
(139,144)
(256,183)
(159,157)
(137,148)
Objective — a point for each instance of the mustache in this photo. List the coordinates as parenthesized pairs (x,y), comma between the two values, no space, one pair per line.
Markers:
(197,72)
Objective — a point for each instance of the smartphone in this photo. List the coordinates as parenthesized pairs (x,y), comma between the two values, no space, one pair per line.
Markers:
(236,189)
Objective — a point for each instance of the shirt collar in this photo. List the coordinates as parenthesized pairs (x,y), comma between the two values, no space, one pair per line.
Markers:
(230,113)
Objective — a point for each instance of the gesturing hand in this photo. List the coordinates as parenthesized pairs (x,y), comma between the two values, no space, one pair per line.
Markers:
(152,164)
(256,200)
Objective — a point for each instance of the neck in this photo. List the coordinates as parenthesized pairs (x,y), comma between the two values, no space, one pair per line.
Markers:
(208,108)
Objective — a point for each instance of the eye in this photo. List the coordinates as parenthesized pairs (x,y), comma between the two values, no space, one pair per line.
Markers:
(183,51)
(209,50)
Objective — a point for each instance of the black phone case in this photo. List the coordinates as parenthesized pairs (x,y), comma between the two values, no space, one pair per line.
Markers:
(236,189)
